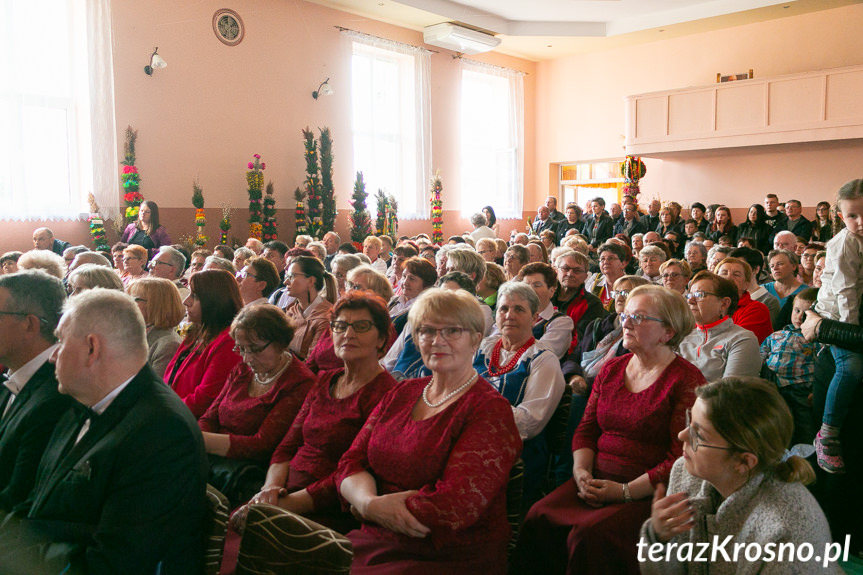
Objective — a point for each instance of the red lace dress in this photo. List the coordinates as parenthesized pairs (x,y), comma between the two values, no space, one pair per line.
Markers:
(630,434)
(459,460)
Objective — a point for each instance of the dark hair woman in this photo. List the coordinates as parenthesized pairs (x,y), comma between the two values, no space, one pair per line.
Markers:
(756,229)
(492,219)
(203,361)
(306,278)
(260,399)
(300,477)
(146,230)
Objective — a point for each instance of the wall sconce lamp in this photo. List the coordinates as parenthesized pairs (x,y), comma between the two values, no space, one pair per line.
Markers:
(156,61)
(323,90)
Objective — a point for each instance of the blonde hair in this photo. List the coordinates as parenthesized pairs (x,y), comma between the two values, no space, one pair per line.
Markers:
(164,306)
(44,260)
(374,242)
(682,264)
(136,251)
(671,308)
(747,269)
(453,306)
(752,417)
(377,282)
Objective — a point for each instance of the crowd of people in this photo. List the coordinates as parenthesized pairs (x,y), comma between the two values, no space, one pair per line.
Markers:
(388,390)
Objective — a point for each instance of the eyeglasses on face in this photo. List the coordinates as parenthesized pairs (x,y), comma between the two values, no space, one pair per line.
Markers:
(353,286)
(637,318)
(24,314)
(361,326)
(565,269)
(695,437)
(291,277)
(243,274)
(250,350)
(699,295)
(624,293)
(671,275)
(428,333)
(155,263)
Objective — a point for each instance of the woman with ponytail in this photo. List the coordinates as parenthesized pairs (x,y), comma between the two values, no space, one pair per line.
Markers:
(310,311)
(737,479)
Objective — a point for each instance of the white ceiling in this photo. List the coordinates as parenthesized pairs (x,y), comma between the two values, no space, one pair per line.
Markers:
(547,29)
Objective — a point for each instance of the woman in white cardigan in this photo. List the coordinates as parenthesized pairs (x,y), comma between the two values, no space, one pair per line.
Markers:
(736,497)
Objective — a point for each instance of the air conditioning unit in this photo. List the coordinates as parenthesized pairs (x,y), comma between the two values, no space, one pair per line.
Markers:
(459,38)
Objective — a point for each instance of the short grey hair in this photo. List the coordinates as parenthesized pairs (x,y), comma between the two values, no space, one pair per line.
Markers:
(215,262)
(319,249)
(113,315)
(178,260)
(478,220)
(651,250)
(521,290)
(94,275)
(91,258)
(346,262)
(699,246)
(467,261)
(45,260)
(39,293)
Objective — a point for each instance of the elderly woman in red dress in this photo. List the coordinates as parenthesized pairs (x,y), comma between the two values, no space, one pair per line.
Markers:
(261,398)
(623,448)
(428,472)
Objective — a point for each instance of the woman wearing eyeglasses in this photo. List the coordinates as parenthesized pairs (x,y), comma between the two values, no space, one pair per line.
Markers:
(259,401)
(428,472)
(310,311)
(736,480)
(257,279)
(161,305)
(675,274)
(623,448)
(301,474)
(134,264)
(203,361)
(717,346)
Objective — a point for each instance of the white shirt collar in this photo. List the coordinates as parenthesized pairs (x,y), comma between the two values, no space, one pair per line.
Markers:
(100,406)
(548,312)
(19,378)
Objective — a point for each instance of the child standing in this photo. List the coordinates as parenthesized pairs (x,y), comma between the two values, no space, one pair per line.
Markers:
(789,360)
(839,299)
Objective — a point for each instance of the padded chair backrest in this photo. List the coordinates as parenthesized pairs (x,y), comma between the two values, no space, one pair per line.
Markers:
(514,493)
(216,528)
(277,541)
(555,430)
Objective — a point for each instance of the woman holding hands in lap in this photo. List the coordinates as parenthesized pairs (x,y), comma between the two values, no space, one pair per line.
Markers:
(427,474)
(623,448)
(735,479)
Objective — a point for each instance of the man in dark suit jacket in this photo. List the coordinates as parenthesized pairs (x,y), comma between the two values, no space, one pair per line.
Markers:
(121,486)
(30,306)
(796,223)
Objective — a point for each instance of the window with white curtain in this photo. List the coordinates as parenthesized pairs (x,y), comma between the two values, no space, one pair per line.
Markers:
(391,120)
(56,100)
(492,139)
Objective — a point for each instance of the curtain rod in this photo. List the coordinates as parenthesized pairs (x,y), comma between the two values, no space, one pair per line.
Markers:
(405,44)
(460,56)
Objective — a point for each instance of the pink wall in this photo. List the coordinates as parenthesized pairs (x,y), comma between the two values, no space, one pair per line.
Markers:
(214,106)
(580,109)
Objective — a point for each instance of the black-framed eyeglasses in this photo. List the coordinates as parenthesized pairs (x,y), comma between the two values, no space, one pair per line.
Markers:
(671,276)
(249,350)
(428,333)
(243,274)
(154,263)
(637,318)
(695,437)
(699,295)
(361,326)
(23,314)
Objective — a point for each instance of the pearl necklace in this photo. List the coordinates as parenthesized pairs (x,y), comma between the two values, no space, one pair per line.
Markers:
(268,380)
(448,396)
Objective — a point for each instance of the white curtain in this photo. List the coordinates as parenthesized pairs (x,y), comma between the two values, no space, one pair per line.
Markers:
(492,139)
(391,120)
(57,136)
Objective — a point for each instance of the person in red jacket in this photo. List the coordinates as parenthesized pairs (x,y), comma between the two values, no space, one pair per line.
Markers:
(752,315)
(203,361)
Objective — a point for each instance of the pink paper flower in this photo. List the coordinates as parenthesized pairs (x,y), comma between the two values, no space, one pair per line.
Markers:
(257,156)
(251,166)
(263,165)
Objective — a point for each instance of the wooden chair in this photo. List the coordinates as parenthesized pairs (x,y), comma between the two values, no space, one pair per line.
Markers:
(216,528)
(556,438)
(278,541)
(514,492)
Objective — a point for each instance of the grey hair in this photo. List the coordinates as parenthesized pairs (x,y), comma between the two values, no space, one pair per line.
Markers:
(469,262)
(178,260)
(522,290)
(44,260)
(346,262)
(112,314)
(94,275)
(91,258)
(318,248)
(478,219)
(215,262)
(699,246)
(651,250)
(39,293)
